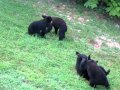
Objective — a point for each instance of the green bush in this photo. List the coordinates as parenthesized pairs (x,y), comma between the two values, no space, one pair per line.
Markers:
(111,6)
(91,3)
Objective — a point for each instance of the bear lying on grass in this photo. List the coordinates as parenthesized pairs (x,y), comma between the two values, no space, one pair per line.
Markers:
(96,75)
(59,25)
(40,27)
(83,72)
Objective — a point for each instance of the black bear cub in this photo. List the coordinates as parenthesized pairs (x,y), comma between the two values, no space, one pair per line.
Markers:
(59,25)
(95,73)
(80,72)
(39,27)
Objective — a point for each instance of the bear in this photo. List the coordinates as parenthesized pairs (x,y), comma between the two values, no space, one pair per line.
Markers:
(40,27)
(95,73)
(59,25)
(84,73)
(106,72)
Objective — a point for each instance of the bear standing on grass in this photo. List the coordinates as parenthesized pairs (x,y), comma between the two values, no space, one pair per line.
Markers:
(59,25)
(40,27)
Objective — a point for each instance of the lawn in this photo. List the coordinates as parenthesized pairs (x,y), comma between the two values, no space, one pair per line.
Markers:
(34,63)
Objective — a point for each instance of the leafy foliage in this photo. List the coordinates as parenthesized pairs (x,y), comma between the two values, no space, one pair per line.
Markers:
(91,3)
(111,6)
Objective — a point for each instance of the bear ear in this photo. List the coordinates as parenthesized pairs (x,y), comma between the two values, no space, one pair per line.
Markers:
(77,53)
(89,57)
(44,16)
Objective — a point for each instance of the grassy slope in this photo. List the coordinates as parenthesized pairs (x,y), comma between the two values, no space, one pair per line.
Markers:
(28,63)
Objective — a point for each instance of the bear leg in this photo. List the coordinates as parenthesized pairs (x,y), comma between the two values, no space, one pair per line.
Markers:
(61,35)
(56,30)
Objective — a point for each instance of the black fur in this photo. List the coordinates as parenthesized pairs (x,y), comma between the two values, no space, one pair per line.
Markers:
(83,72)
(59,25)
(106,72)
(95,73)
(39,27)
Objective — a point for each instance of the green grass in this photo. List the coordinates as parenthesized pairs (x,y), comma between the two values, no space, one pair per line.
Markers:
(32,63)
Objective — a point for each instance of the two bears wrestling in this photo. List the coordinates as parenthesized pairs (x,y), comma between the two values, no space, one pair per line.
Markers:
(90,70)
(45,25)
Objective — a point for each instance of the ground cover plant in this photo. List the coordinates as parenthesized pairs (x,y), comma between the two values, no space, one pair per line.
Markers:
(34,63)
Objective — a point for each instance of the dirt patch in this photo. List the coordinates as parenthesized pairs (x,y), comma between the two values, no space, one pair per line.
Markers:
(98,41)
(70,16)
(59,7)
(82,20)
(113,44)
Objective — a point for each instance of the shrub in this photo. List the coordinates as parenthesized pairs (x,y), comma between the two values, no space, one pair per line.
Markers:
(111,6)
